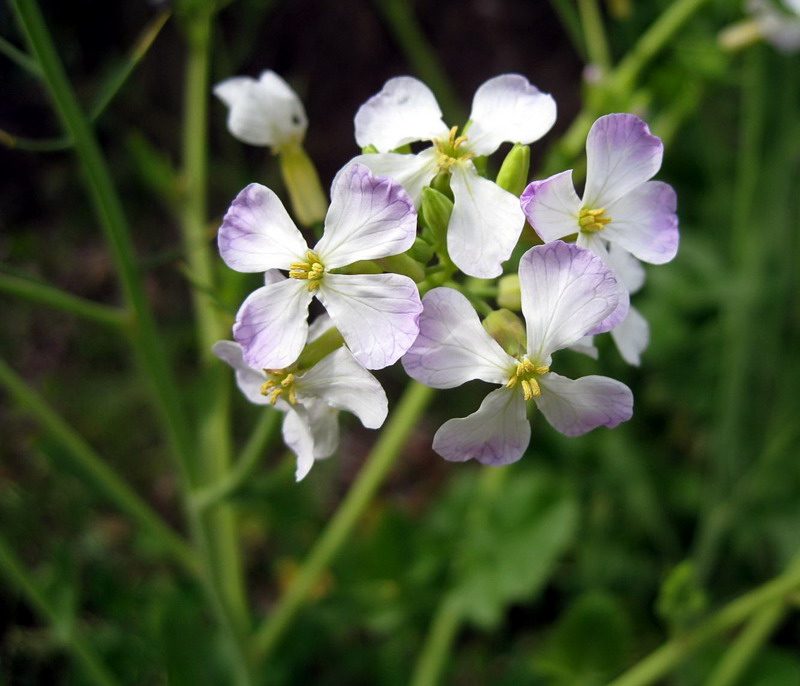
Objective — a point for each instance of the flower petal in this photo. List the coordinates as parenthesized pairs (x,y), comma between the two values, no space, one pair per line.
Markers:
(311,431)
(369,217)
(248,380)
(263,112)
(552,207)
(586,346)
(452,347)
(272,325)
(631,337)
(412,172)
(644,222)
(509,109)
(626,267)
(403,112)
(621,154)
(485,224)
(257,234)
(574,407)
(377,314)
(600,247)
(338,380)
(496,434)
(566,291)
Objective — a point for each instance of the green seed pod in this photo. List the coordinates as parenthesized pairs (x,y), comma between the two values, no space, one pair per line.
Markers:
(513,174)
(309,201)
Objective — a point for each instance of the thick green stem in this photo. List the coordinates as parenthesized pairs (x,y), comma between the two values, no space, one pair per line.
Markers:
(595,34)
(383,455)
(438,644)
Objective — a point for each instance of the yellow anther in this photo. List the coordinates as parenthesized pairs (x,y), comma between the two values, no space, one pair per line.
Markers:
(276,386)
(592,221)
(448,152)
(524,375)
(313,270)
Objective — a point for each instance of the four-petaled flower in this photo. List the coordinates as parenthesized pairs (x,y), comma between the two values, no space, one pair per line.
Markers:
(566,291)
(486,219)
(311,399)
(377,314)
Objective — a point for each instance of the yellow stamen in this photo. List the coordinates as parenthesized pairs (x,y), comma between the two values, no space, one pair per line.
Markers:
(525,374)
(448,152)
(276,386)
(592,221)
(313,270)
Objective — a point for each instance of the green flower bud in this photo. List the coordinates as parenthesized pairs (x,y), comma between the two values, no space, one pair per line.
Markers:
(309,201)
(436,210)
(403,264)
(509,295)
(422,251)
(441,183)
(507,329)
(513,174)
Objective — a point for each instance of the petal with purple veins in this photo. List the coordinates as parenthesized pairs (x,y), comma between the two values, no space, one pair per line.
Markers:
(552,207)
(412,172)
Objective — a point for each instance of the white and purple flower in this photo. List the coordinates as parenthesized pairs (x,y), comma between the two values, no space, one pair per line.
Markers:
(566,291)
(486,220)
(311,399)
(369,218)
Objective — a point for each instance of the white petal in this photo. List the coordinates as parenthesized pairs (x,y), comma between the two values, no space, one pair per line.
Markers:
(552,207)
(574,407)
(248,380)
(311,431)
(586,346)
(452,347)
(338,380)
(632,336)
(621,154)
(644,222)
(600,247)
(509,109)
(485,224)
(369,217)
(319,326)
(496,434)
(272,325)
(403,112)
(566,290)
(297,436)
(412,172)
(377,314)
(263,112)
(626,267)
(257,234)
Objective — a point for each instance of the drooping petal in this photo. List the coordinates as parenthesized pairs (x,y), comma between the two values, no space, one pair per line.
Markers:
(496,434)
(631,337)
(508,109)
(369,217)
(452,347)
(248,380)
(574,407)
(404,111)
(412,172)
(644,222)
(566,291)
(272,325)
(263,112)
(552,207)
(377,314)
(311,431)
(257,234)
(621,154)
(586,346)
(485,224)
(597,245)
(626,267)
(338,380)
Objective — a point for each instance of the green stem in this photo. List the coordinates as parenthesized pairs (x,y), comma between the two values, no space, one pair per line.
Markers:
(38,292)
(16,55)
(438,644)
(392,439)
(85,460)
(595,35)
(565,10)
(16,575)
(672,653)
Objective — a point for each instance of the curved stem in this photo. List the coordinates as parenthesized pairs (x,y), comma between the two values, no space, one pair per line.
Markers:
(392,439)
(438,642)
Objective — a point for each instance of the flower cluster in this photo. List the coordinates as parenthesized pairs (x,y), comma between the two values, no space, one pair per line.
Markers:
(371,264)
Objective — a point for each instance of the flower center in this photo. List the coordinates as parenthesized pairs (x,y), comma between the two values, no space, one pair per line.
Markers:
(279,382)
(312,270)
(592,221)
(449,152)
(525,375)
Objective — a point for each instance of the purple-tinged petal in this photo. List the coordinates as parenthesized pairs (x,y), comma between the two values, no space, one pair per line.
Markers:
(404,111)
(574,407)
(496,434)
(412,172)
(452,347)
(566,291)
(485,224)
(248,380)
(621,154)
(272,325)
(369,217)
(552,207)
(377,314)
(631,337)
(644,222)
(628,270)
(257,234)
(594,243)
(311,431)
(338,380)
(509,109)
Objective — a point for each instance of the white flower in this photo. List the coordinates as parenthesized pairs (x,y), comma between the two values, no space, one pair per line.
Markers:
(311,399)
(566,291)
(486,220)
(370,217)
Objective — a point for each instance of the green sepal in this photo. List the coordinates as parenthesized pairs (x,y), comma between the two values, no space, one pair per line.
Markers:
(369,150)
(509,295)
(513,174)
(309,201)
(422,250)
(507,329)
(441,183)
(436,210)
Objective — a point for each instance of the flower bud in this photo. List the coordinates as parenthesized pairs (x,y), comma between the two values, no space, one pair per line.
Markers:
(436,210)
(302,182)
(508,295)
(507,329)
(513,174)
